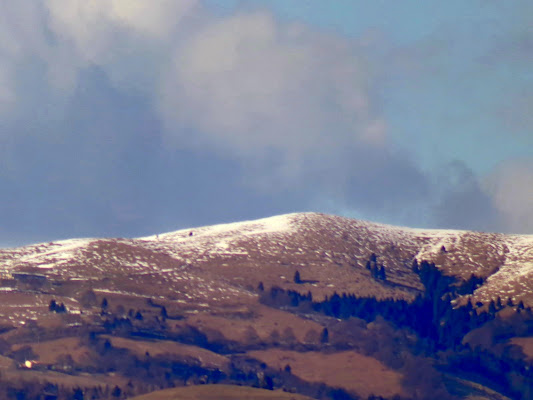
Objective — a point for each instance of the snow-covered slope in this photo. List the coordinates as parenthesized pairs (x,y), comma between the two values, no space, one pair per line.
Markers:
(223,264)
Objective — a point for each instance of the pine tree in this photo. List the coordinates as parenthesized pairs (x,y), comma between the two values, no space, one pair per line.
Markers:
(78,394)
(469,306)
(492,307)
(324,336)
(116,392)
(297,278)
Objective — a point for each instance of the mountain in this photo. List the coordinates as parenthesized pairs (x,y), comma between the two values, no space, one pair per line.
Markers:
(221,262)
(280,290)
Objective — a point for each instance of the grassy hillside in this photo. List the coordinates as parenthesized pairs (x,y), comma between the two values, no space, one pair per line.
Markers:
(320,305)
(220,392)
(346,369)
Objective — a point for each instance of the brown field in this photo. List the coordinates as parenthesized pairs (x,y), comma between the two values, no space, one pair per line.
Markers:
(219,392)
(5,362)
(259,319)
(50,351)
(209,280)
(347,369)
(139,348)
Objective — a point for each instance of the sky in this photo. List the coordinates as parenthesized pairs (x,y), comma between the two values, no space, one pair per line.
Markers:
(122,118)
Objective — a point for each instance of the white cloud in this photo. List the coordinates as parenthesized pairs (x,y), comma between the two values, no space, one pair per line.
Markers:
(289,105)
(250,87)
(511,188)
(21,37)
(157,20)
(273,96)
(90,24)
(125,37)
(247,85)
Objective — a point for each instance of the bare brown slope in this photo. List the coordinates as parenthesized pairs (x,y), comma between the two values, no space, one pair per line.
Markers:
(221,266)
(220,392)
(349,370)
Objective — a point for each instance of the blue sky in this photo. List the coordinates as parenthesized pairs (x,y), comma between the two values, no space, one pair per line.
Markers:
(127,117)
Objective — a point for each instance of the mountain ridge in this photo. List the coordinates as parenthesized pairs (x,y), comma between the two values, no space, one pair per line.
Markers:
(237,303)
(308,242)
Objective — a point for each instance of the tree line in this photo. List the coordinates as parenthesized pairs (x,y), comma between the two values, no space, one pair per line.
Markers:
(440,324)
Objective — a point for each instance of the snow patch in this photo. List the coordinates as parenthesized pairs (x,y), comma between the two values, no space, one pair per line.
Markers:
(277,224)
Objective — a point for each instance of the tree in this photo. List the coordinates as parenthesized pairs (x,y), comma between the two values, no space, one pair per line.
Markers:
(297,278)
(116,392)
(492,307)
(57,308)
(324,336)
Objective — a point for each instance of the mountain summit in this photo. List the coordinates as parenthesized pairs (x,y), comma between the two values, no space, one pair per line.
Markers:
(208,264)
(325,306)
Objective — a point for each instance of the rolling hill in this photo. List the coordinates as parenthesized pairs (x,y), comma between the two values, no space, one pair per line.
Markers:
(226,303)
